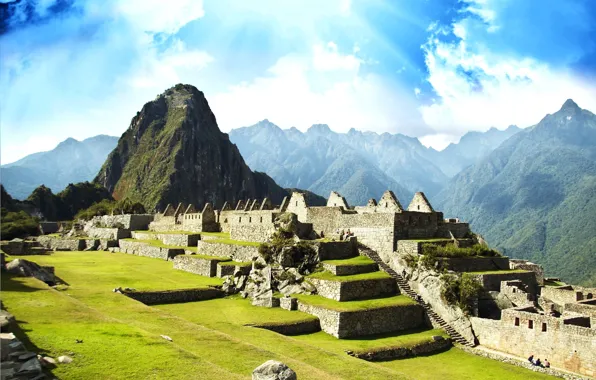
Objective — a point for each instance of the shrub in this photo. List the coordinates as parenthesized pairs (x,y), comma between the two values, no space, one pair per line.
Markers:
(18,225)
(432,251)
(460,290)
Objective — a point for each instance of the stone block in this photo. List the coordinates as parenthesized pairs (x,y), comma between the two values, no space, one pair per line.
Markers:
(288,303)
(355,290)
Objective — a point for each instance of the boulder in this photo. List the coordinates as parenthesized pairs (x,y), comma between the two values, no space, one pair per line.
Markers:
(5,320)
(273,370)
(64,359)
(30,367)
(26,268)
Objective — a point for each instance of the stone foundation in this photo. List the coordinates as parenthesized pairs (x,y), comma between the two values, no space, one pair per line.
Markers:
(349,324)
(296,328)
(143,249)
(355,290)
(392,353)
(160,297)
(108,233)
(197,265)
(346,270)
(337,250)
(235,252)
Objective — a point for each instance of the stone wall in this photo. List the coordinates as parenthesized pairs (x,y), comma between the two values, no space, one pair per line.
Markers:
(197,265)
(346,270)
(108,233)
(569,347)
(459,230)
(296,328)
(49,227)
(474,264)
(61,244)
(587,308)
(256,232)
(354,290)
(233,251)
(392,353)
(128,221)
(526,265)
(337,250)
(567,294)
(492,282)
(348,324)
(143,249)
(160,297)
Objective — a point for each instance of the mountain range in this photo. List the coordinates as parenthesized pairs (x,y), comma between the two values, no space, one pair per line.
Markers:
(71,161)
(359,165)
(530,192)
(534,197)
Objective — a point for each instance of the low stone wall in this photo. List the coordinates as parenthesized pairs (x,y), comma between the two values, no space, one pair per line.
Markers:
(233,251)
(391,353)
(354,290)
(474,264)
(254,232)
(296,328)
(337,250)
(492,282)
(224,269)
(346,270)
(160,297)
(587,308)
(128,221)
(143,249)
(108,233)
(179,240)
(61,244)
(197,265)
(348,324)
(529,266)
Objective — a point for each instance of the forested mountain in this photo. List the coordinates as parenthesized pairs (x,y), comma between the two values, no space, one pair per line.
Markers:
(534,196)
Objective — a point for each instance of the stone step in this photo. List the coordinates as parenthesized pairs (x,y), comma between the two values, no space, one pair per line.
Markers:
(362,318)
(346,267)
(353,287)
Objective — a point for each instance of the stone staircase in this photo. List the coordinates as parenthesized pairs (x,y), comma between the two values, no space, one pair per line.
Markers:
(407,290)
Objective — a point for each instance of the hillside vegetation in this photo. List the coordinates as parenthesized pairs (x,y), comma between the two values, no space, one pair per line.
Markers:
(534,197)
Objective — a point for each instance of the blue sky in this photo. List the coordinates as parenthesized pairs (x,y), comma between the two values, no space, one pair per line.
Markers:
(433,69)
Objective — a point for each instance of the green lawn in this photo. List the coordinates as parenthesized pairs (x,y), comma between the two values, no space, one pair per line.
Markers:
(354,261)
(326,303)
(326,275)
(223,259)
(121,337)
(168,232)
(220,235)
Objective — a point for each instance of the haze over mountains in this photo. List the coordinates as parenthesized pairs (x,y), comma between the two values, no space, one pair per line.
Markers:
(70,162)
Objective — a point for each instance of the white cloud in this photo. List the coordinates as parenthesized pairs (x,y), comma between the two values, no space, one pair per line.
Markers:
(159,15)
(438,141)
(324,87)
(479,89)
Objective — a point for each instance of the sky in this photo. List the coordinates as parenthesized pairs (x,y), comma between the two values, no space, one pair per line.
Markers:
(432,69)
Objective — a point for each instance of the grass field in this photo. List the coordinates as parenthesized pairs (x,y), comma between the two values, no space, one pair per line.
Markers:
(121,337)
(354,261)
(326,275)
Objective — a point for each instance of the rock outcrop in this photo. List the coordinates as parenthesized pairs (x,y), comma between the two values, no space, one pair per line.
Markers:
(26,268)
(174,152)
(273,370)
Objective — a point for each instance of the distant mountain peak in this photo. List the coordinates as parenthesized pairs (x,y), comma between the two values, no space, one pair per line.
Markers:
(321,129)
(569,105)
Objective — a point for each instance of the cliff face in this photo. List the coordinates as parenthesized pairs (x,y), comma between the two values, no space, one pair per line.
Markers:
(174,152)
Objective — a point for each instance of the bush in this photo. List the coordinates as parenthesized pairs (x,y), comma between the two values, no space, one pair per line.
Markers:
(107,207)
(18,225)
(460,290)
(431,252)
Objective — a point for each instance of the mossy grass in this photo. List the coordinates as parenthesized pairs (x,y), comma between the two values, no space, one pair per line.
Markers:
(502,271)
(236,263)
(326,275)
(221,235)
(209,337)
(554,283)
(432,240)
(233,242)
(354,261)
(374,303)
